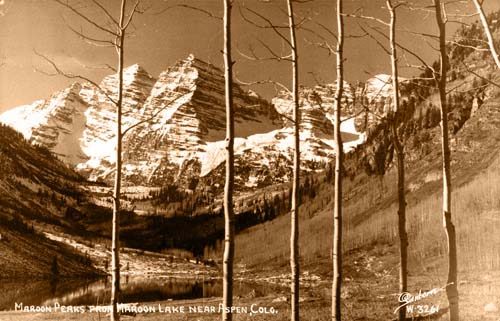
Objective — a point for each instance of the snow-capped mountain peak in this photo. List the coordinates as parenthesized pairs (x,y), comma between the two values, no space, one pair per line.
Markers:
(178,126)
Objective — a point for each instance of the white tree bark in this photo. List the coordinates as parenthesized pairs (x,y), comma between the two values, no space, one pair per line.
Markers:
(487,31)
(337,211)
(294,215)
(115,241)
(227,295)
(398,146)
(452,288)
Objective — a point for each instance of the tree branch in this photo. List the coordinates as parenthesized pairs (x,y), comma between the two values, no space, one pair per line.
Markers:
(70,76)
(375,39)
(382,22)
(410,52)
(131,15)
(90,40)
(255,57)
(106,12)
(269,24)
(208,13)
(261,82)
(478,75)
(84,17)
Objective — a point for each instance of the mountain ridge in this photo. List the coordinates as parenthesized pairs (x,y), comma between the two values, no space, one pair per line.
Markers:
(178,122)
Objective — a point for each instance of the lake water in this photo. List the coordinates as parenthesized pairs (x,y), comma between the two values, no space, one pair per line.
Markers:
(94,292)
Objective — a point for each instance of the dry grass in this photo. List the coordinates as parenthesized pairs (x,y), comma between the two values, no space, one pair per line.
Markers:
(476,210)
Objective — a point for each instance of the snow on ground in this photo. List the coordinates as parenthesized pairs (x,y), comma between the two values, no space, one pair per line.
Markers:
(214,155)
(137,262)
(347,126)
(280,141)
(378,87)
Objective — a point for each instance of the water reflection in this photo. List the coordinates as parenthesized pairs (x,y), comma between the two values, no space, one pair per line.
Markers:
(85,292)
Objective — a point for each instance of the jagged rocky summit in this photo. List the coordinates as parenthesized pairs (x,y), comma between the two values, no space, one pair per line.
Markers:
(175,127)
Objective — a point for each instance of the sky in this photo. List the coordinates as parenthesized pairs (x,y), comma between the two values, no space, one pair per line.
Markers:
(166,33)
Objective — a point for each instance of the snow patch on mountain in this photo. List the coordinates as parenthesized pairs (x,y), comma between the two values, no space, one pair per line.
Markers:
(379,87)
(282,142)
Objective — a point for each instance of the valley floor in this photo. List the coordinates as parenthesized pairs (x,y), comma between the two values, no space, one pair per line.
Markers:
(369,293)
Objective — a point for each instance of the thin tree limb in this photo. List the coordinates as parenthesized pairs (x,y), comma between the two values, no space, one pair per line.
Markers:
(208,13)
(90,40)
(269,24)
(106,12)
(131,15)
(260,82)
(375,39)
(478,75)
(84,17)
(408,51)
(382,22)
(70,76)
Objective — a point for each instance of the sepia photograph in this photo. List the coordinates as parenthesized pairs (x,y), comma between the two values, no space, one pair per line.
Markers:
(250,160)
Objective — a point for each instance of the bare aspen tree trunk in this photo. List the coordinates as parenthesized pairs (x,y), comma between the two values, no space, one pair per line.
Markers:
(115,241)
(227,291)
(451,289)
(487,31)
(403,237)
(337,211)
(294,215)
(117,31)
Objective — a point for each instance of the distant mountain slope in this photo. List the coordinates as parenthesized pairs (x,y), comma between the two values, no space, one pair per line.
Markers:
(35,189)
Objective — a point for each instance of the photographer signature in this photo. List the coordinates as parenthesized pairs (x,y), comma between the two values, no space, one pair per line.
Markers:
(407,298)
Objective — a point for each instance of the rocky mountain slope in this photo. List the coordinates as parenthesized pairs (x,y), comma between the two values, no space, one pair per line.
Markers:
(175,126)
(185,128)
(182,111)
